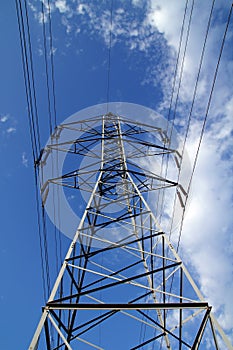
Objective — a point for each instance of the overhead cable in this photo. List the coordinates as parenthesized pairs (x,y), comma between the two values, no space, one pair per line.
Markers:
(34,132)
(30,90)
(205,118)
(46,68)
(52,63)
(109,54)
(193,99)
(177,95)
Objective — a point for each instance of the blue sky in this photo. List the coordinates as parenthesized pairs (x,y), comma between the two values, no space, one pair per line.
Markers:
(145,41)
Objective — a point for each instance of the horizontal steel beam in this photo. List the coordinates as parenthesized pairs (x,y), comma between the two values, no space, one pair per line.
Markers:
(141,306)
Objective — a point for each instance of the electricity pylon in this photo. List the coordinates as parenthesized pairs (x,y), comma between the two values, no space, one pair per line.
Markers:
(122,284)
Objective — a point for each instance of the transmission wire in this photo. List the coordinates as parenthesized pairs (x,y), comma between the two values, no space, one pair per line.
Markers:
(51,55)
(205,119)
(39,144)
(188,126)
(193,100)
(109,54)
(206,115)
(46,67)
(177,96)
(55,123)
(40,237)
(32,126)
(52,63)
(27,79)
(32,75)
(177,61)
(49,94)
(172,94)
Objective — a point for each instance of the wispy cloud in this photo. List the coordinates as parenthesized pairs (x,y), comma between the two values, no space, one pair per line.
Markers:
(10,130)
(4,118)
(24,159)
(207,235)
(62,6)
(7,124)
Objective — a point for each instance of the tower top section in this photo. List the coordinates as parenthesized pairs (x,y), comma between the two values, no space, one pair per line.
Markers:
(111,144)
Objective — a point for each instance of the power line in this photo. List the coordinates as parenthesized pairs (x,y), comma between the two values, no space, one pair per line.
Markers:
(51,101)
(32,75)
(52,63)
(205,119)
(109,54)
(52,123)
(46,249)
(27,79)
(30,90)
(188,127)
(55,120)
(177,61)
(178,92)
(182,66)
(40,235)
(171,100)
(193,101)
(46,68)
(51,93)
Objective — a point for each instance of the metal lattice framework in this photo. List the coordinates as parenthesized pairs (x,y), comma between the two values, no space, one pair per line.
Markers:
(122,284)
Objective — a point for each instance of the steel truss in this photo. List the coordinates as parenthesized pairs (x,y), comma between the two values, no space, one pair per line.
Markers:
(122,284)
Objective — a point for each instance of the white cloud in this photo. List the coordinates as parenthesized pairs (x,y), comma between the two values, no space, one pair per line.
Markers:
(166,16)
(94,17)
(207,241)
(138,2)
(4,118)
(62,6)
(53,50)
(24,159)
(66,24)
(7,124)
(39,16)
(11,130)
(82,9)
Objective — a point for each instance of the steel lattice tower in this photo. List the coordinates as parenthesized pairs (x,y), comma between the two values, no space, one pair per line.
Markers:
(122,284)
